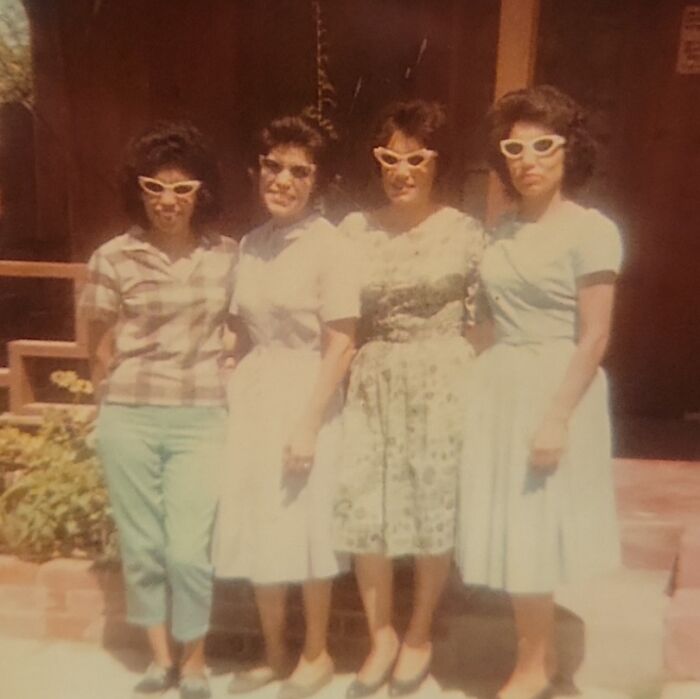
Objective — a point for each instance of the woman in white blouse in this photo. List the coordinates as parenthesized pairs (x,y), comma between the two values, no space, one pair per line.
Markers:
(295,301)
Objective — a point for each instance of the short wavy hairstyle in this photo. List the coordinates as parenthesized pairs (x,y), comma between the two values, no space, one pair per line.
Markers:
(177,144)
(306,130)
(422,120)
(549,107)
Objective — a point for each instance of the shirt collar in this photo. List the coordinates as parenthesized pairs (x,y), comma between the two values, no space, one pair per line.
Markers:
(138,240)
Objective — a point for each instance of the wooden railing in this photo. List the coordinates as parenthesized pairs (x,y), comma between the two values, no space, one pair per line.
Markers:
(17,376)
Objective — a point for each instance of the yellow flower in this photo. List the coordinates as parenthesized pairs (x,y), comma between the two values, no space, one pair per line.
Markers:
(64,379)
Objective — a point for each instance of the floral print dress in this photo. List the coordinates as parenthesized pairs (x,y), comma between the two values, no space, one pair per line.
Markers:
(404,413)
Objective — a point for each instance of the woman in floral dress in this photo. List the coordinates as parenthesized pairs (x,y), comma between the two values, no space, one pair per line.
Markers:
(404,409)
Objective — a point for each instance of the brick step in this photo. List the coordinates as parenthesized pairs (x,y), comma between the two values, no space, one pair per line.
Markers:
(682,620)
(474,641)
(656,502)
(682,635)
(649,543)
(688,568)
(621,619)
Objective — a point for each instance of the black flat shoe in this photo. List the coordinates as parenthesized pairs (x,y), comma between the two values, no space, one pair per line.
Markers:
(402,688)
(545,693)
(194,687)
(156,681)
(359,689)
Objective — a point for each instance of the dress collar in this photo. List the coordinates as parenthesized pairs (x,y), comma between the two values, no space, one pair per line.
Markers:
(294,230)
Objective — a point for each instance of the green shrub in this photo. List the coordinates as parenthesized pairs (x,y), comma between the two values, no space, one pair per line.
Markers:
(55,502)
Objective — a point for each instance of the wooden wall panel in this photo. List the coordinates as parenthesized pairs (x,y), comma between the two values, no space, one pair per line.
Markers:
(515,69)
(105,70)
(619,59)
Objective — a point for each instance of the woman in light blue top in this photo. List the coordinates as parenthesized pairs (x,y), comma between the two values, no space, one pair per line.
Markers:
(536,496)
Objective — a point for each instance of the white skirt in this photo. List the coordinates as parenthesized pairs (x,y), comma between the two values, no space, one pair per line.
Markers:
(517,530)
(273,528)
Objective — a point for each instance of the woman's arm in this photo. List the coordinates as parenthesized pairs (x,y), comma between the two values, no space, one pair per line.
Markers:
(594,306)
(100,349)
(482,335)
(236,341)
(337,353)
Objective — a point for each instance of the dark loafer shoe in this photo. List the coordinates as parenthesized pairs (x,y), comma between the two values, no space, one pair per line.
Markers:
(194,687)
(156,680)
(359,689)
(402,688)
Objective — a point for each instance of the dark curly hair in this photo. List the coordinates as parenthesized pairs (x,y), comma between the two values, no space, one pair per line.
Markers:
(306,130)
(422,120)
(555,110)
(172,144)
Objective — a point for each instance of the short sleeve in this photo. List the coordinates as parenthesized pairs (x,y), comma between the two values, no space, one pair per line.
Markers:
(353,226)
(598,248)
(100,296)
(340,279)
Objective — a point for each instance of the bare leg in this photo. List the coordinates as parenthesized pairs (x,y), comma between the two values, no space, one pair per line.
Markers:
(375,579)
(271,601)
(317,607)
(315,661)
(161,648)
(534,623)
(192,661)
(430,578)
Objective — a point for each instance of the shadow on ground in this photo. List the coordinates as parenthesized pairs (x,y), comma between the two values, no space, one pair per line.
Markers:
(474,647)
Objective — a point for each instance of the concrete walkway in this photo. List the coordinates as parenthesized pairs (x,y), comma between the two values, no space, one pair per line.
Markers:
(50,669)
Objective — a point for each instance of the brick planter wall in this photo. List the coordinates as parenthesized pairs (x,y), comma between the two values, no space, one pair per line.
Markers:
(76,600)
(61,599)
(473,633)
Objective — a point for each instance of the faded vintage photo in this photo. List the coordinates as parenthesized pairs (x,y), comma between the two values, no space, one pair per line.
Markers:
(349,349)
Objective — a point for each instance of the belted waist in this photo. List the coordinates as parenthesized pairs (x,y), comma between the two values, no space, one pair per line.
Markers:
(403,337)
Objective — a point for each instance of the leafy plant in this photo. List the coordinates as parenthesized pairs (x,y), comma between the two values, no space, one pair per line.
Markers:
(55,502)
(16,83)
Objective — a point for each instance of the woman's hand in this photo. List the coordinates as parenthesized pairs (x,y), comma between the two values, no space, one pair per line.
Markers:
(227,362)
(548,444)
(299,451)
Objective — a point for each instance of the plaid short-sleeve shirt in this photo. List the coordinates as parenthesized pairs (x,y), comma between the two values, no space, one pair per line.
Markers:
(168,318)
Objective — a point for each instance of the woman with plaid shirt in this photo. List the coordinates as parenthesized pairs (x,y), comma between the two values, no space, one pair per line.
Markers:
(155,301)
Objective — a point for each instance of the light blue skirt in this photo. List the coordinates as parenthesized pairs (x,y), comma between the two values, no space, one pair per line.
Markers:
(520,531)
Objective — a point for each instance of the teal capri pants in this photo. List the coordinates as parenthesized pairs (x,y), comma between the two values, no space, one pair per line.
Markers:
(162,468)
